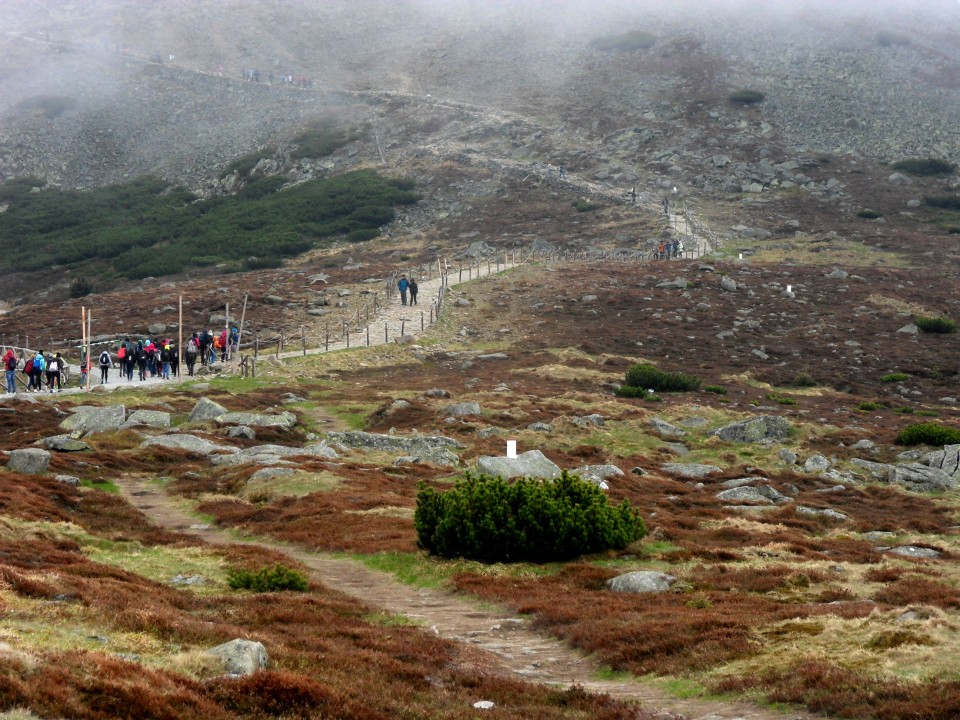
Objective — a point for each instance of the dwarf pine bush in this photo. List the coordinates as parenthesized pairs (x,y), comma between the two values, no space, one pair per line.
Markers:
(642,378)
(928,433)
(936,325)
(491,520)
(267,579)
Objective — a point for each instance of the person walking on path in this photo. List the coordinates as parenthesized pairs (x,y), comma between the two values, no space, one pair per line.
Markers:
(193,349)
(36,372)
(414,289)
(10,366)
(53,372)
(403,285)
(105,364)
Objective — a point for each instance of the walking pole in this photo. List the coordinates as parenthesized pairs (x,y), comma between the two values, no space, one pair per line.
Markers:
(243,315)
(386,335)
(89,337)
(83,336)
(303,340)
(368,336)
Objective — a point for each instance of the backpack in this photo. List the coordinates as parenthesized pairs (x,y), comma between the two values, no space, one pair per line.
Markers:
(105,358)
(39,363)
(192,347)
(122,352)
(11,363)
(54,366)
(28,368)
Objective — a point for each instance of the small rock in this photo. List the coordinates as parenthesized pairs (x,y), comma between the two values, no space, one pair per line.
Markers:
(641,581)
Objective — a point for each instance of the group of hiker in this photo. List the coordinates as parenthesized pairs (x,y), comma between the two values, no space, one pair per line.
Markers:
(161,358)
(41,366)
(404,286)
(667,249)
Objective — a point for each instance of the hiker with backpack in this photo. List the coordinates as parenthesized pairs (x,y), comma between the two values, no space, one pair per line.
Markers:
(141,361)
(403,285)
(36,372)
(193,349)
(414,289)
(10,366)
(205,339)
(54,366)
(105,364)
(165,361)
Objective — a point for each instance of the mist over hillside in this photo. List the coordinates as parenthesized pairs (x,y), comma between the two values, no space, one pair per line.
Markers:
(874,79)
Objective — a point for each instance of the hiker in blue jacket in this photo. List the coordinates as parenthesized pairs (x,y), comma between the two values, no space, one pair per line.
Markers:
(402,286)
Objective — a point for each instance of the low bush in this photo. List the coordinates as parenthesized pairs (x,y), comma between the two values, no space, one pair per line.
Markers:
(321,140)
(746,97)
(928,433)
(869,214)
(584,206)
(804,379)
(894,377)
(715,389)
(267,579)
(935,325)
(925,167)
(869,406)
(491,520)
(649,377)
(245,164)
(625,42)
(944,202)
(780,399)
(80,287)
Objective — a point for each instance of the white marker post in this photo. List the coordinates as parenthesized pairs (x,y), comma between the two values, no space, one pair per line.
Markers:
(789,288)
(512,449)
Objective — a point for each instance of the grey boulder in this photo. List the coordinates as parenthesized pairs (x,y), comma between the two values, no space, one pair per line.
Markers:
(65,443)
(242,657)
(532,464)
(29,461)
(93,419)
(641,581)
(689,470)
(464,409)
(762,427)
(664,428)
(190,443)
(762,495)
(206,409)
(148,418)
(284,420)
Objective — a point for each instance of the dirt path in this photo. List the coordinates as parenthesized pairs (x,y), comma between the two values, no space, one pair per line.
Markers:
(513,647)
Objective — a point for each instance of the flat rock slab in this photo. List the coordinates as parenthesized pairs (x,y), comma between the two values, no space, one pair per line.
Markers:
(29,461)
(912,551)
(532,464)
(273,472)
(94,419)
(65,443)
(190,443)
(148,418)
(285,420)
(437,449)
(689,470)
(641,581)
(763,427)
(826,513)
(763,495)
(664,428)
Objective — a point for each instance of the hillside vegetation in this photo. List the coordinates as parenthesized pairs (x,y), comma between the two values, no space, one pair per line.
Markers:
(146,228)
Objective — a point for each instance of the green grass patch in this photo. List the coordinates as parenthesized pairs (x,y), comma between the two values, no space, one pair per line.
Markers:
(715,389)
(422,571)
(146,228)
(925,167)
(322,140)
(385,619)
(104,485)
(608,674)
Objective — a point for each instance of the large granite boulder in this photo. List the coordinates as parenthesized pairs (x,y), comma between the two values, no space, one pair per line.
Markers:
(242,657)
(206,410)
(912,476)
(662,427)
(29,461)
(88,419)
(599,474)
(763,495)
(532,464)
(947,460)
(464,409)
(755,429)
(641,581)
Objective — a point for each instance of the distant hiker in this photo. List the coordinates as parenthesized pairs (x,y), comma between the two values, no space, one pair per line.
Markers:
(414,289)
(54,368)
(105,364)
(633,194)
(193,349)
(36,373)
(403,285)
(141,361)
(165,360)
(234,342)
(205,339)
(223,345)
(661,251)
(665,204)
(562,173)
(10,366)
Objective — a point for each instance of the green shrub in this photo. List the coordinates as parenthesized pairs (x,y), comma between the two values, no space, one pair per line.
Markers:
(945,202)
(904,411)
(781,399)
(928,433)
(625,42)
(804,379)
(267,579)
(584,206)
(80,287)
(491,520)
(716,389)
(937,325)
(746,97)
(869,406)
(894,377)
(869,214)
(649,377)
(321,140)
(925,167)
